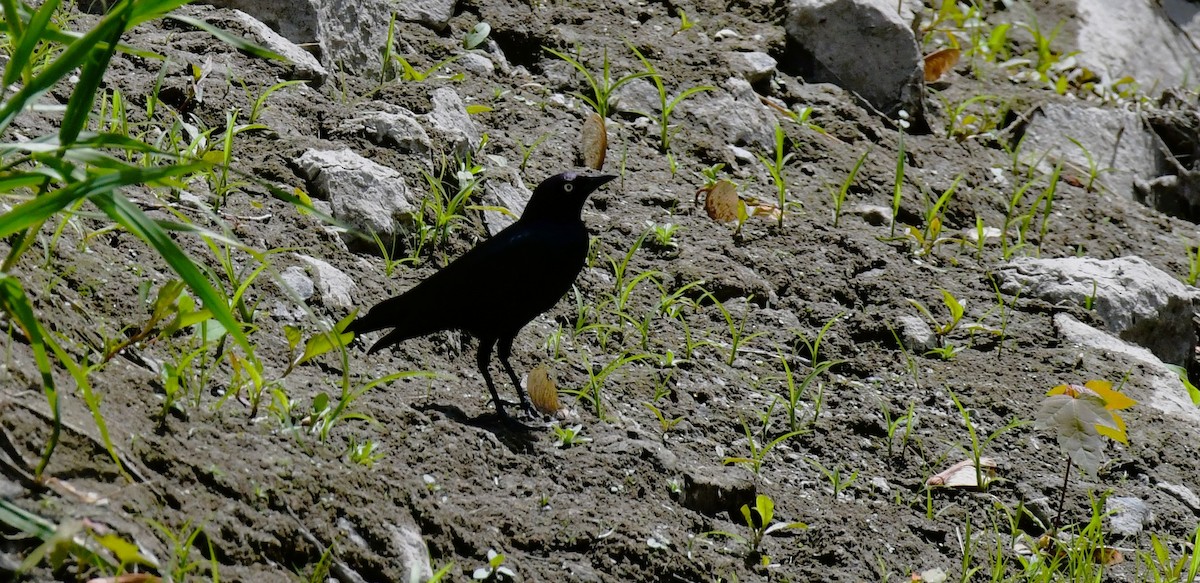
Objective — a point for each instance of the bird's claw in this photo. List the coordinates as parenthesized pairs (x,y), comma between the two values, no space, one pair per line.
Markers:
(530,412)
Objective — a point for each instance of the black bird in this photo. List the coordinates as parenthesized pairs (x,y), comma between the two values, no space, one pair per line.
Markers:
(493,290)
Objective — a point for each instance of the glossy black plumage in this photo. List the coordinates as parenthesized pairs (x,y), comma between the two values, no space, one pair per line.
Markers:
(493,290)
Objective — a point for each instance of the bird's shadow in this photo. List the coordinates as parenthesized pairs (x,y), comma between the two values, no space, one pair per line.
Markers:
(515,435)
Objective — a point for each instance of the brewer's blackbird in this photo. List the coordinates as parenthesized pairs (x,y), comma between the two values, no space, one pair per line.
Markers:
(493,290)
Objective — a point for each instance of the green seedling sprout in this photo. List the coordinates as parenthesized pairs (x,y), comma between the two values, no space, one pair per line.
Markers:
(760,519)
(774,167)
(758,449)
(839,196)
(837,480)
(897,188)
(665,105)
(570,436)
(602,87)
(494,570)
(953,306)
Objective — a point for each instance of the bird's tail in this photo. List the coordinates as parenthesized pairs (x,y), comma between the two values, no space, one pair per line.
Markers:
(408,315)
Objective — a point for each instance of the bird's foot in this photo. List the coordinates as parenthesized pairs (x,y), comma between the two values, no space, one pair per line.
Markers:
(530,412)
(508,420)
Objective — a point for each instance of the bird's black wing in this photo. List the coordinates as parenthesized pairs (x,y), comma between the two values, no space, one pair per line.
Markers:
(499,285)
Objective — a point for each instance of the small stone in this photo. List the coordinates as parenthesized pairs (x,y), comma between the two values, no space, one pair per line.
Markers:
(880,484)
(475,63)
(753,66)
(337,288)
(1183,493)
(296,278)
(1127,516)
(712,491)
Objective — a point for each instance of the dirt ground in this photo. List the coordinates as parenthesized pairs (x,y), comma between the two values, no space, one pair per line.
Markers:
(266,496)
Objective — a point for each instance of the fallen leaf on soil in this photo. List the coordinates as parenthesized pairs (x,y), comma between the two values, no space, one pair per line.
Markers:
(767,210)
(594,141)
(940,61)
(962,474)
(542,391)
(127,578)
(722,203)
(934,575)
(63,487)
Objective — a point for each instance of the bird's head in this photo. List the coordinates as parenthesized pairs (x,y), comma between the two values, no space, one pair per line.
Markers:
(562,196)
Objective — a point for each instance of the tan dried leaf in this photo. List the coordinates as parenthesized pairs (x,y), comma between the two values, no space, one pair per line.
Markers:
(940,61)
(962,474)
(763,209)
(542,391)
(594,140)
(722,203)
(127,578)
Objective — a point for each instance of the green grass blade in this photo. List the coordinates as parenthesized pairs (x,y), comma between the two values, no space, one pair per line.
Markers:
(39,209)
(22,180)
(83,97)
(121,210)
(233,40)
(24,521)
(14,301)
(19,60)
(12,19)
(72,58)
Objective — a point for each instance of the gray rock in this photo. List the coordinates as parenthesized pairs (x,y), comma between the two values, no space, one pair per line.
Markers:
(712,491)
(1121,148)
(734,115)
(1167,393)
(296,20)
(1183,493)
(1177,194)
(1146,40)
(753,66)
(638,96)
(349,33)
(449,122)
(407,544)
(476,63)
(865,46)
(296,278)
(304,65)
(336,288)
(1138,302)
(389,125)
(1127,516)
(880,485)
(505,189)
(741,154)
(916,334)
(370,197)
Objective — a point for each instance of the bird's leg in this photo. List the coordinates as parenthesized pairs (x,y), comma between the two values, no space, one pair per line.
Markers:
(484,358)
(505,348)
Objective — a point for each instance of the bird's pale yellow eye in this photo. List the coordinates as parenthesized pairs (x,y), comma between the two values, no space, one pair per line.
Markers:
(568,187)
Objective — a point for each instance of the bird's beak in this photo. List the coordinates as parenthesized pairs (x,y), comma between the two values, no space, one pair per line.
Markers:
(601,179)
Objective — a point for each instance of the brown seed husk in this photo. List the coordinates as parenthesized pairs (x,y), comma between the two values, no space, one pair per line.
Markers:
(594,140)
(542,391)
